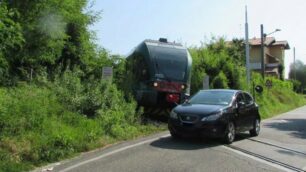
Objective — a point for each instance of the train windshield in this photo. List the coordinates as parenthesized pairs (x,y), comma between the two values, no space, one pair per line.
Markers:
(170,63)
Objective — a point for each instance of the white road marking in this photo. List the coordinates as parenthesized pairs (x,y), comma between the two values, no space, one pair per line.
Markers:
(49,167)
(167,135)
(282,121)
(259,160)
(112,152)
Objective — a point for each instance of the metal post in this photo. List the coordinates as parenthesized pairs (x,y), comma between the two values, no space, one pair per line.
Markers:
(262,52)
(247,48)
(294,68)
(253,90)
(31,75)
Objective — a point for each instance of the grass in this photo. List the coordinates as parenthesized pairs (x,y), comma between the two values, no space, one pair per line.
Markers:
(41,125)
(37,129)
(278,99)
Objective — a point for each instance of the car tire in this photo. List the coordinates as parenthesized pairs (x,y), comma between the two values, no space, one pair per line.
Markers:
(175,135)
(256,128)
(230,133)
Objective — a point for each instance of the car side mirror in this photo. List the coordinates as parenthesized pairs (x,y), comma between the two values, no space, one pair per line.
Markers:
(186,96)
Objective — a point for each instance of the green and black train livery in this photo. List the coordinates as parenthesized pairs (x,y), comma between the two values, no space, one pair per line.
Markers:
(158,73)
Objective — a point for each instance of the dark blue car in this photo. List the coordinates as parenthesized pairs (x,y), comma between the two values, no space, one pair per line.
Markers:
(216,113)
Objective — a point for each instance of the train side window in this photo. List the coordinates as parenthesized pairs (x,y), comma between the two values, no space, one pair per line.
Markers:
(140,68)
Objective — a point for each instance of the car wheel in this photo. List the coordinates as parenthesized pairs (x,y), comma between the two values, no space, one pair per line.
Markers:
(175,135)
(256,128)
(230,133)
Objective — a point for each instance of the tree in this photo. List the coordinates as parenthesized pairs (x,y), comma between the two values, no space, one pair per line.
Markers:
(298,72)
(220,81)
(11,39)
(55,34)
(221,61)
(236,50)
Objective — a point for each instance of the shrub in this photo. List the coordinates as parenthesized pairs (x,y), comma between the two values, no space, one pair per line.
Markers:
(41,124)
(279,98)
(220,81)
(223,64)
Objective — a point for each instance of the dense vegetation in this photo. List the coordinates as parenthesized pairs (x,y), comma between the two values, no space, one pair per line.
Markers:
(53,102)
(224,63)
(298,75)
(221,62)
(41,124)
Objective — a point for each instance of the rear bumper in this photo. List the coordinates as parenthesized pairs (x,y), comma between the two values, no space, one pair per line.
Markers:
(199,129)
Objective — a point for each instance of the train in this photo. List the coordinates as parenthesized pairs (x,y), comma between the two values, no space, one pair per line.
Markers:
(159,74)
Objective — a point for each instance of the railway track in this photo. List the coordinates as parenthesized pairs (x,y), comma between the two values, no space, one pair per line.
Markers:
(287,166)
(280,147)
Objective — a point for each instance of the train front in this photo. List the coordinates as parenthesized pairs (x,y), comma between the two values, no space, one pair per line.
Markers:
(171,72)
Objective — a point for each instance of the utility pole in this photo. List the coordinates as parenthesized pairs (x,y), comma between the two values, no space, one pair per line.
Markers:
(262,52)
(263,38)
(294,68)
(247,47)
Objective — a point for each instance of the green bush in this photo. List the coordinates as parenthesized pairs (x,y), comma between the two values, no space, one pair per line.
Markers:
(220,62)
(37,128)
(92,97)
(223,63)
(220,81)
(46,124)
(277,99)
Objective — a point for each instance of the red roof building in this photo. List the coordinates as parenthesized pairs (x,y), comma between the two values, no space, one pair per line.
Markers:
(274,55)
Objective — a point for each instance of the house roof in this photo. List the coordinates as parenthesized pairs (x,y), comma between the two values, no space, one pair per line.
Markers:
(269,41)
(257,41)
(282,43)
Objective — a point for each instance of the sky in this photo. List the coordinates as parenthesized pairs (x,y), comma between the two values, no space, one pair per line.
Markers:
(124,24)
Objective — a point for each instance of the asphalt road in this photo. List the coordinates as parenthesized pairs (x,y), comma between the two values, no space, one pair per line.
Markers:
(281,146)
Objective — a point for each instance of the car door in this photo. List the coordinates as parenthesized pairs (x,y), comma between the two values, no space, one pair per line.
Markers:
(249,107)
(240,116)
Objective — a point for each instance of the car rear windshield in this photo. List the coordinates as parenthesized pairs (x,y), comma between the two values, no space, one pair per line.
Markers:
(212,98)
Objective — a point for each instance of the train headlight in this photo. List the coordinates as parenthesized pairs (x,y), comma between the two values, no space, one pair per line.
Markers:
(183,87)
(155,84)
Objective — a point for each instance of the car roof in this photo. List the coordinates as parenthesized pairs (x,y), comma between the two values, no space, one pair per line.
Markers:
(227,90)
(223,90)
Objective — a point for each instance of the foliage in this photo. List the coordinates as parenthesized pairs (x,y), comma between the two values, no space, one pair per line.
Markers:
(90,96)
(54,35)
(220,81)
(277,99)
(296,85)
(236,50)
(224,63)
(219,61)
(298,73)
(37,127)
(54,103)
(11,40)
